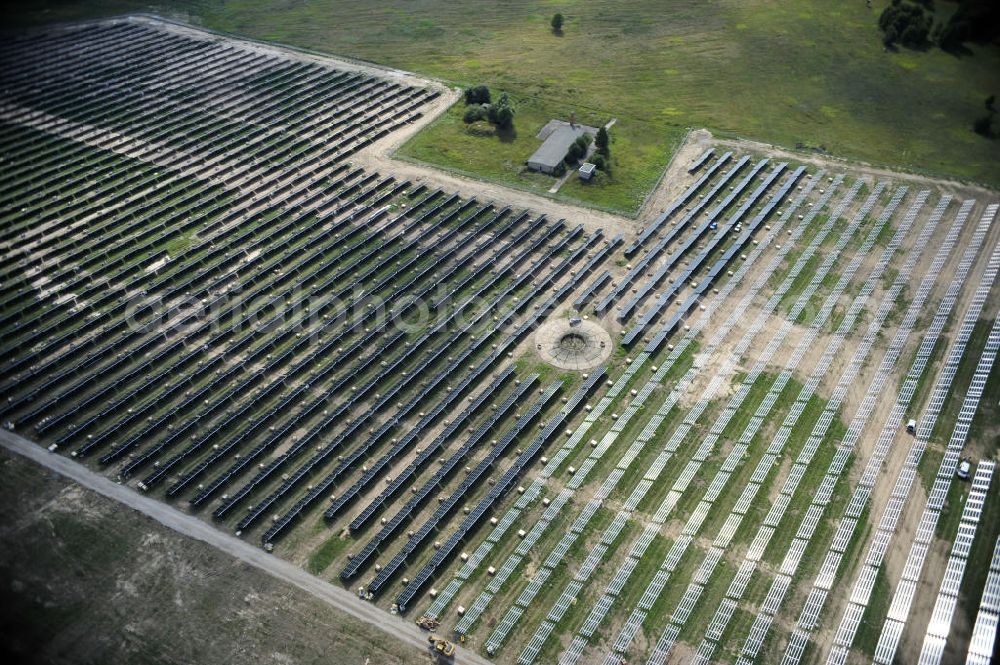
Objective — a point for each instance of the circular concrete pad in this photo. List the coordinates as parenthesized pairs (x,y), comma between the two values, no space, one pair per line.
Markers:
(580,346)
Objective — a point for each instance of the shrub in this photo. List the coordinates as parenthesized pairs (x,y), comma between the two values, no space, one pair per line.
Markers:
(477,94)
(575,152)
(577,149)
(474,113)
(984,126)
(598,160)
(557,22)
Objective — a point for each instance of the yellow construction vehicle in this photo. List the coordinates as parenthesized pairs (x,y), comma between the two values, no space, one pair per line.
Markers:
(442,648)
(428,623)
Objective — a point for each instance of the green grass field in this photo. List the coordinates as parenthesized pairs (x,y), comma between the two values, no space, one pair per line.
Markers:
(797,72)
(636,162)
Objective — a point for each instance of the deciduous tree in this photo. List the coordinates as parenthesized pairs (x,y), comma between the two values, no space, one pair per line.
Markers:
(503,112)
(477,94)
(905,23)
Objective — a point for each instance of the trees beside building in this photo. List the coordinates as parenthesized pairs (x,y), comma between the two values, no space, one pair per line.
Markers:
(478,107)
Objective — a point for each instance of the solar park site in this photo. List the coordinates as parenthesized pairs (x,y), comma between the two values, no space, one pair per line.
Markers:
(730,430)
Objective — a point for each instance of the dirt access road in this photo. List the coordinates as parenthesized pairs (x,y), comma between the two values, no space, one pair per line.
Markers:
(193,527)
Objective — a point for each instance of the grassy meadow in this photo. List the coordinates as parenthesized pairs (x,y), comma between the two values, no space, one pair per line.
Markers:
(811,73)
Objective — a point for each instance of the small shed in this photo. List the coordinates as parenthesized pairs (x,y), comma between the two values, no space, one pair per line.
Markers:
(587,171)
